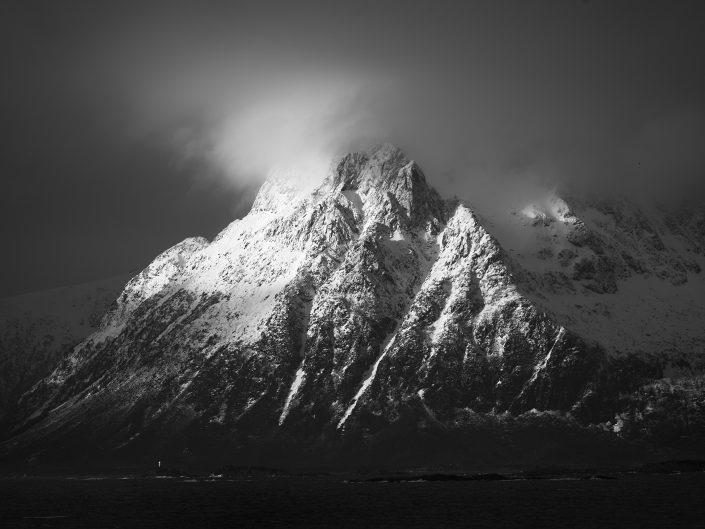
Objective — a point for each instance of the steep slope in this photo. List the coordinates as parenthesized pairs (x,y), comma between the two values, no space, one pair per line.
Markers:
(627,276)
(630,278)
(335,315)
(40,328)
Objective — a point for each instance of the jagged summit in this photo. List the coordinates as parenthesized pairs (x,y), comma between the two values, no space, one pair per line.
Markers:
(380,169)
(391,181)
(381,165)
(380,184)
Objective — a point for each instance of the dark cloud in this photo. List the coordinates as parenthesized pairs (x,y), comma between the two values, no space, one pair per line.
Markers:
(129,126)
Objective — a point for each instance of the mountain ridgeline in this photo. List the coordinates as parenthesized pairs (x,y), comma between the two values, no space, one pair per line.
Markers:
(370,321)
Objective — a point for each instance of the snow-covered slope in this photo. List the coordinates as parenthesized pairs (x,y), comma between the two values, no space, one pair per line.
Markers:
(627,276)
(337,314)
(38,329)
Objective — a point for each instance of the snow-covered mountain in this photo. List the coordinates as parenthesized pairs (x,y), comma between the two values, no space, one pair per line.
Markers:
(368,310)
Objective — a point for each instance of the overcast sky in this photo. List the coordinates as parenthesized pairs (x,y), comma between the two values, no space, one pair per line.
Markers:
(128,126)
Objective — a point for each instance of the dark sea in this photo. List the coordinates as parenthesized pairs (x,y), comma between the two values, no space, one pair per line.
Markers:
(631,500)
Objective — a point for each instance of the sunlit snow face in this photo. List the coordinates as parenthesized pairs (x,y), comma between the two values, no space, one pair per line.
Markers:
(532,212)
(548,207)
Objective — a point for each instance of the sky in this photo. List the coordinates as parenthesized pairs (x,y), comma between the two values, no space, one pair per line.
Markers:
(129,126)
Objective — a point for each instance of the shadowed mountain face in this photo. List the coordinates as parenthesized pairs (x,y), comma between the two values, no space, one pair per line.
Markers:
(371,313)
(37,330)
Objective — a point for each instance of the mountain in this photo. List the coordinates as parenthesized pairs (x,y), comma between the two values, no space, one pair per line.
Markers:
(40,328)
(369,320)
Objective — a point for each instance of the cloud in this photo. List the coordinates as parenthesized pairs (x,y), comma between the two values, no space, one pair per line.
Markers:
(471,143)
(482,115)
(299,126)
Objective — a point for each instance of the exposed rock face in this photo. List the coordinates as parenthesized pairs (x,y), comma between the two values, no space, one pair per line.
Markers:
(331,315)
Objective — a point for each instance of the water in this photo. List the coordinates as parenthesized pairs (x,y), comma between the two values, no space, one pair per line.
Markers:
(664,501)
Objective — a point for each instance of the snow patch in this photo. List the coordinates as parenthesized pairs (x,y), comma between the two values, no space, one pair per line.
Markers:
(296,384)
(368,379)
(354,198)
(426,408)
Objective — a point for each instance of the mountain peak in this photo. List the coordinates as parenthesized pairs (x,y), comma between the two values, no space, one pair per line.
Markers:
(385,176)
(379,163)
